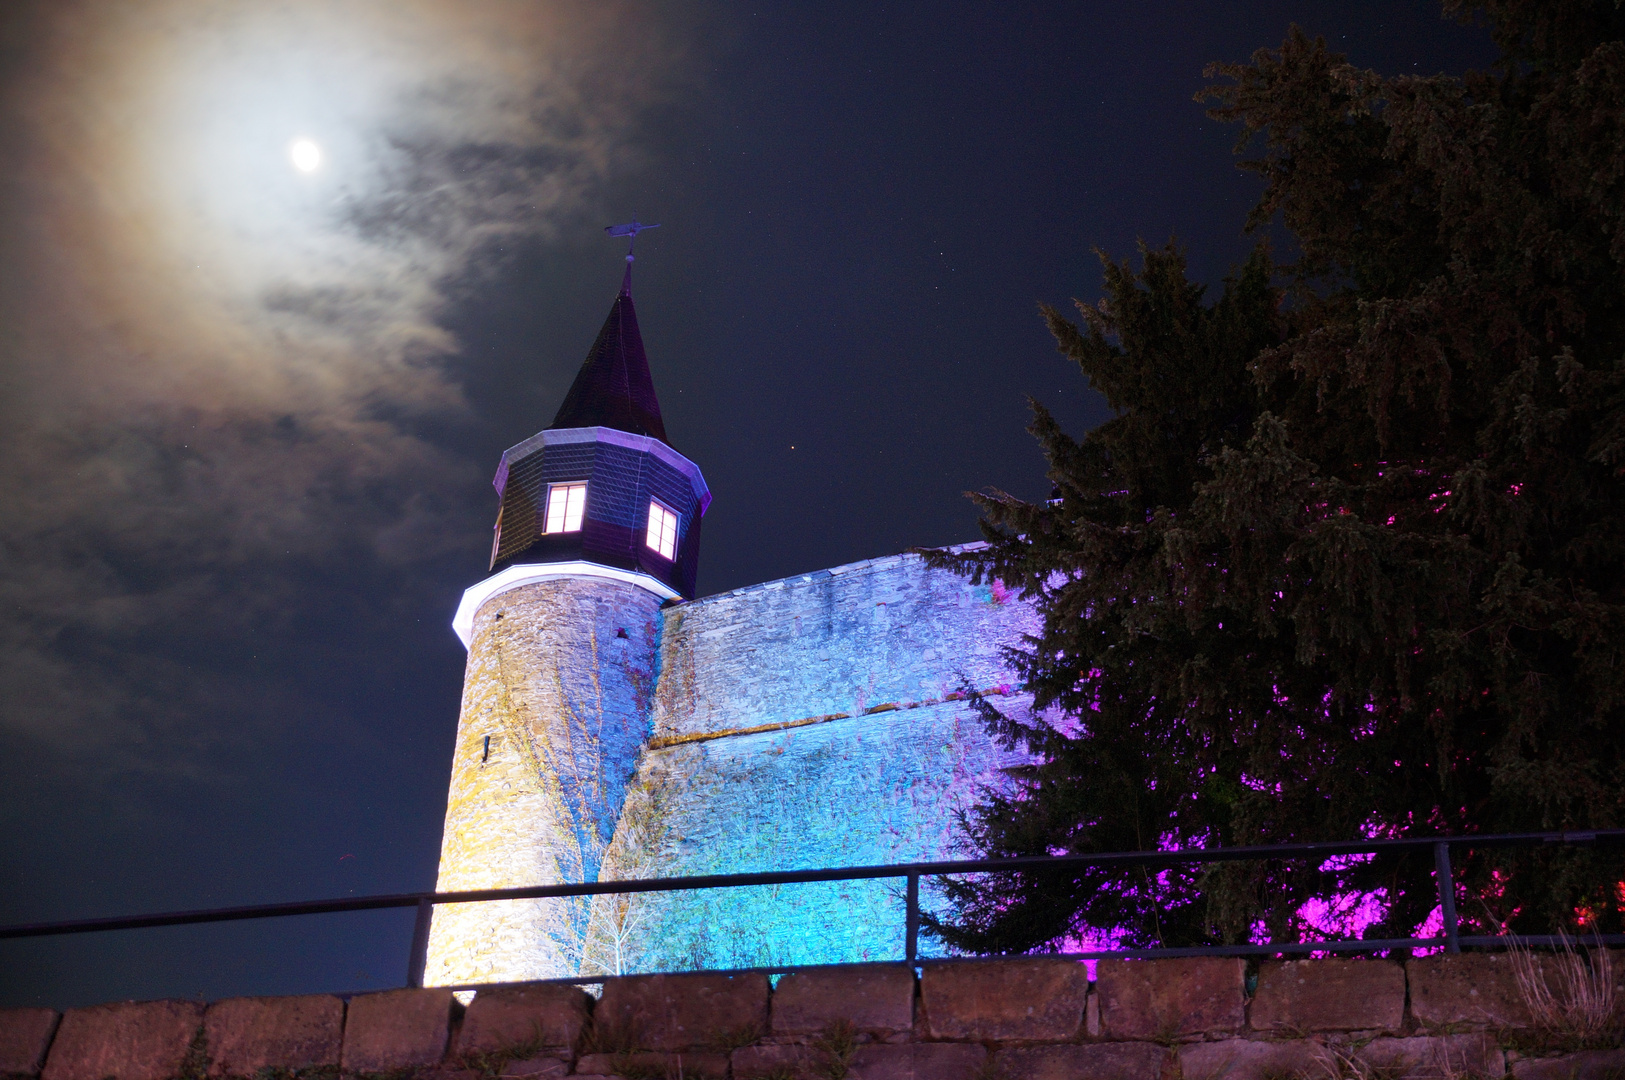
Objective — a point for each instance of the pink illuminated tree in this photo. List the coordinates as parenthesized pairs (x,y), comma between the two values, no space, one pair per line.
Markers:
(1350,560)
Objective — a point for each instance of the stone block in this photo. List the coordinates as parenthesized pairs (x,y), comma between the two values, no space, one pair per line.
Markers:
(531,1017)
(683,1012)
(537,1068)
(1097,1061)
(1004,999)
(1248,1059)
(1441,1058)
(917,1061)
(246,1035)
(878,998)
(1329,995)
(1586,1065)
(130,1040)
(1468,988)
(25,1035)
(396,1029)
(1164,999)
(752,1062)
(689,1066)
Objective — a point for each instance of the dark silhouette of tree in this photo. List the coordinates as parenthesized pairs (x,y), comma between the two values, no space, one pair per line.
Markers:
(1350,560)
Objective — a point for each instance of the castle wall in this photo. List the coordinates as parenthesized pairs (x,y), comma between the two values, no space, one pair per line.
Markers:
(846,640)
(564,699)
(869,757)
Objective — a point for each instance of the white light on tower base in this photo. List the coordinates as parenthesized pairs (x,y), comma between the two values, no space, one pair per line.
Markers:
(305,155)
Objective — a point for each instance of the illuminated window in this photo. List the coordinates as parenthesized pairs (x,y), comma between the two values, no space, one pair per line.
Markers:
(662,530)
(565,504)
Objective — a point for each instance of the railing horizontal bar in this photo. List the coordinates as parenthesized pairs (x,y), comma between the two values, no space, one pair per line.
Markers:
(1294,948)
(1507,941)
(185,918)
(794,877)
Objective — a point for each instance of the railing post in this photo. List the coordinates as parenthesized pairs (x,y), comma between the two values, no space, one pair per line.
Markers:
(1447,896)
(911,931)
(419,960)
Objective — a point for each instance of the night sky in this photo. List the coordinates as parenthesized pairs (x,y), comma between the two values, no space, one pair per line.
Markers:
(249,416)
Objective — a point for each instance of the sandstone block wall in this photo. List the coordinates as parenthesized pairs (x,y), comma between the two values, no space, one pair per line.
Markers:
(1029,1019)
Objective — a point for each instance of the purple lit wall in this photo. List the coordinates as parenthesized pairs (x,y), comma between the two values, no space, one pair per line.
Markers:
(813,721)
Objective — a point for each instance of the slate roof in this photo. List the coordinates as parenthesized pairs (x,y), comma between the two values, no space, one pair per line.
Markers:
(613,388)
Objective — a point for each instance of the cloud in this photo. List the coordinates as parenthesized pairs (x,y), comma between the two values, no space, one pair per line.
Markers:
(211,362)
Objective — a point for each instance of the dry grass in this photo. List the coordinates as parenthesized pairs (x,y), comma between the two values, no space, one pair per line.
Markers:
(735,1038)
(1344,1062)
(195,1066)
(837,1044)
(629,1067)
(1569,993)
(491,1063)
(607,1037)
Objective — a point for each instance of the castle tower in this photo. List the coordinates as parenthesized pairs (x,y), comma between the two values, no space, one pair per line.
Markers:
(599,524)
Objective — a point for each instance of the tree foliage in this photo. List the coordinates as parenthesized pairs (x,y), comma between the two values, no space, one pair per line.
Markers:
(1348,561)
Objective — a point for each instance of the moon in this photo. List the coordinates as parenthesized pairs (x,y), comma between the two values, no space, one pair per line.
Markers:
(305,155)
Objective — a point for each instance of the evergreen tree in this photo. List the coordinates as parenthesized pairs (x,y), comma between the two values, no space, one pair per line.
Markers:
(1350,559)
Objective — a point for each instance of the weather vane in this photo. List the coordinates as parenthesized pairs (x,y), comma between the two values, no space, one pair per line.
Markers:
(630,231)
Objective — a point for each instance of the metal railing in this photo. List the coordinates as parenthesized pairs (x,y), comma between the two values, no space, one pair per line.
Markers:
(1451,939)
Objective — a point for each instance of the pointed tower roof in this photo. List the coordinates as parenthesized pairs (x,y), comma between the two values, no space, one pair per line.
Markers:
(613,388)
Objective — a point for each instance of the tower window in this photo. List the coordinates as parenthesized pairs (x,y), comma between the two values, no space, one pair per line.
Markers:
(662,531)
(565,505)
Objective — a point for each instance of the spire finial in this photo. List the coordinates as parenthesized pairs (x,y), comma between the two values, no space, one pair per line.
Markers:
(630,231)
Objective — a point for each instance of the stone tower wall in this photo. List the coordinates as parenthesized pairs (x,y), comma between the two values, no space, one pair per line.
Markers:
(560,678)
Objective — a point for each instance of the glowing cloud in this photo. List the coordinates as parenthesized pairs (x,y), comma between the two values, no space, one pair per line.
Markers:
(216,360)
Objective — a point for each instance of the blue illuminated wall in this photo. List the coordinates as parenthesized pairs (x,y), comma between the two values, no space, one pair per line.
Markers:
(802,723)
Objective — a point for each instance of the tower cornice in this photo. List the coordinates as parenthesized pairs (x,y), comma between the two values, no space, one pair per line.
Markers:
(614,436)
(475,596)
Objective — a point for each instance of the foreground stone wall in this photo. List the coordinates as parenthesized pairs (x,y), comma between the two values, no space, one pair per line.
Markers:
(1444,1017)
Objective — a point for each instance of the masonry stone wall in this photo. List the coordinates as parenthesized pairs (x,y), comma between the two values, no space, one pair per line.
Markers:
(1439,1017)
(556,703)
(845,640)
(815,721)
